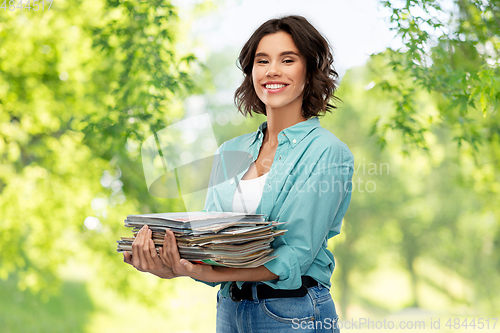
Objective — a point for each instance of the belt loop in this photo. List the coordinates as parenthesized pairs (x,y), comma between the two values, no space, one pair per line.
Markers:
(254,292)
(320,286)
(313,296)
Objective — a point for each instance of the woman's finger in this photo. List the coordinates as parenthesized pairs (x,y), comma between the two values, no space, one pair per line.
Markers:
(175,258)
(163,254)
(190,267)
(147,250)
(166,256)
(156,258)
(136,262)
(143,264)
(173,247)
(160,255)
(127,257)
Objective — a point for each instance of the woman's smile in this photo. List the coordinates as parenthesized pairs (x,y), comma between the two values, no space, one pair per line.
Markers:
(274,87)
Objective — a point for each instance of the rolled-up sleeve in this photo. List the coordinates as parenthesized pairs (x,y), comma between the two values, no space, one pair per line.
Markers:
(314,209)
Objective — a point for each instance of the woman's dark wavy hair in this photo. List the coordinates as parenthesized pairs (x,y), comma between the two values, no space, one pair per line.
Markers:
(321,80)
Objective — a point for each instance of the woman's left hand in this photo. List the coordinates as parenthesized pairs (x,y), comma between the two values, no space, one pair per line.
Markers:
(169,254)
(144,257)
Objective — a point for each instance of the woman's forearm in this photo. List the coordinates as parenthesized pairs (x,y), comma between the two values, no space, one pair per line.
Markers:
(222,274)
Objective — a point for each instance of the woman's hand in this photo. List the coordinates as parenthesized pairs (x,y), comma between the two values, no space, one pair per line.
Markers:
(144,257)
(181,267)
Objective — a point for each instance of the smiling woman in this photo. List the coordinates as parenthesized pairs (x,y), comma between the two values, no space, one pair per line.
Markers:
(288,76)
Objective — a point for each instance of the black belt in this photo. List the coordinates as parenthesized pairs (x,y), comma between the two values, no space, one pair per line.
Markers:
(264,291)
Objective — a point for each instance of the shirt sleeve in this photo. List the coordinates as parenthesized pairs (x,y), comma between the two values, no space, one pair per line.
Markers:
(314,209)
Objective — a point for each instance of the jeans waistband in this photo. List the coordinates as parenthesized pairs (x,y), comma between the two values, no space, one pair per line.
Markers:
(263,291)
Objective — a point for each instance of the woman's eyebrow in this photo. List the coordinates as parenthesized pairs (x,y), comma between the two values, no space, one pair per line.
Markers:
(262,54)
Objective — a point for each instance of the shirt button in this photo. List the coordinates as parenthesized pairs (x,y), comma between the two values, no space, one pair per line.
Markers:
(294,141)
(279,158)
(249,156)
(231,181)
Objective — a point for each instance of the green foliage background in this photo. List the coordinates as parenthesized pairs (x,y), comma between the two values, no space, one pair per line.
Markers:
(82,85)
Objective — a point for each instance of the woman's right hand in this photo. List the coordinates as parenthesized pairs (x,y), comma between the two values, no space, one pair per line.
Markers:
(144,256)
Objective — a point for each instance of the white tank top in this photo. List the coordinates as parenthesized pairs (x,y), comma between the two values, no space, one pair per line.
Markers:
(248,193)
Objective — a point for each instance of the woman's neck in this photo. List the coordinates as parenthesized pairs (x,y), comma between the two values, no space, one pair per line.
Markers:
(279,120)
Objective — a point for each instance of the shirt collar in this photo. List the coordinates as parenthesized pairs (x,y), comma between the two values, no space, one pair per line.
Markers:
(294,134)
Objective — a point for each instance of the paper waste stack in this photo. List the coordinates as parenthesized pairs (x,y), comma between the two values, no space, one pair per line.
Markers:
(214,238)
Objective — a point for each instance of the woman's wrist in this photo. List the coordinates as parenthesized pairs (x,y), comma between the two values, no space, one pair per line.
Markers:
(218,274)
(261,273)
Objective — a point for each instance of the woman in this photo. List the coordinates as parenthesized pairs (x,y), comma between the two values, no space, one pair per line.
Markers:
(301,174)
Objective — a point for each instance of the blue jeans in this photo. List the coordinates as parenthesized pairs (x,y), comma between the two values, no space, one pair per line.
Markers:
(314,312)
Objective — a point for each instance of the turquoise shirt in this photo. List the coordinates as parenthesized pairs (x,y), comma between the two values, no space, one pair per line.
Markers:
(308,186)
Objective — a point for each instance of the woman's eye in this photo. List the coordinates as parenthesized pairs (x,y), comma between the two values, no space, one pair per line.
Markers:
(288,61)
(262,61)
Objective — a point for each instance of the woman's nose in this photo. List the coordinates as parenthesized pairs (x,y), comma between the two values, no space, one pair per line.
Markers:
(273,70)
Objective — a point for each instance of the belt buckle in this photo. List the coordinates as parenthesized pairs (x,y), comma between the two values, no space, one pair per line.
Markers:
(231,294)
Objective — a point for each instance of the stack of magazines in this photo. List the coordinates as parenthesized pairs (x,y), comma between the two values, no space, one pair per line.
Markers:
(214,238)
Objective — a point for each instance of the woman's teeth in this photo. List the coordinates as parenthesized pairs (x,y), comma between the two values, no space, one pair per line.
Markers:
(275,86)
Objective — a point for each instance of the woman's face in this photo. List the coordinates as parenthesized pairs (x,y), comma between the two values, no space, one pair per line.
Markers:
(279,72)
